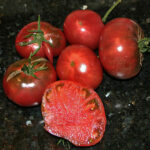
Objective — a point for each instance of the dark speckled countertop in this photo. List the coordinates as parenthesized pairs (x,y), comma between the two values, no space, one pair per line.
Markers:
(127,103)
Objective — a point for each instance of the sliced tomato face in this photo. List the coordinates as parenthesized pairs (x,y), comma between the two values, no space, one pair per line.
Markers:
(73,112)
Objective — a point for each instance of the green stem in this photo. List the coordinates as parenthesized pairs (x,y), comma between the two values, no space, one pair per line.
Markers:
(65,143)
(110,10)
(39,25)
(144,45)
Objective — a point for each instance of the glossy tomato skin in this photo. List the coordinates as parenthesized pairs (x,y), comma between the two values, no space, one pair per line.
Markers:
(54,35)
(118,48)
(83,27)
(26,90)
(74,112)
(79,63)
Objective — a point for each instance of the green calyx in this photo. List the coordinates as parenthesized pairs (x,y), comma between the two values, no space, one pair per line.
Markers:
(144,45)
(38,37)
(30,68)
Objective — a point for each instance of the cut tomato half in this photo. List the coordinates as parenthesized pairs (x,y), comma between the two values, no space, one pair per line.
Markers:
(73,112)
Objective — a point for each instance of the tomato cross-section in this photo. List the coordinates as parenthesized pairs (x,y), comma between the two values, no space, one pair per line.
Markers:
(74,112)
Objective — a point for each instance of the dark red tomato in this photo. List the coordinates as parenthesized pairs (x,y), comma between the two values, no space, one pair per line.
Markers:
(83,27)
(73,112)
(80,64)
(24,89)
(118,48)
(51,39)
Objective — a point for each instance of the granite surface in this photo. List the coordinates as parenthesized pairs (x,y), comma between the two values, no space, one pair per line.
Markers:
(127,103)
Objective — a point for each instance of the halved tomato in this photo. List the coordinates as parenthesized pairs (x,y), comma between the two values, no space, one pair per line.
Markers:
(74,112)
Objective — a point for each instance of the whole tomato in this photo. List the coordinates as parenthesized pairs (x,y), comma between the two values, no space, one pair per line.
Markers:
(48,40)
(25,80)
(80,64)
(118,48)
(74,112)
(83,27)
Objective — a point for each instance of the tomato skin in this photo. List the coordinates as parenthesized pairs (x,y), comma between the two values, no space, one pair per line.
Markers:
(118,48)
(74,112)
(26,90)
(79,63)
(54,35)
(83,27)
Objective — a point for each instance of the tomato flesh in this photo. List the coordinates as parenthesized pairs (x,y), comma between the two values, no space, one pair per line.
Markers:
(74,112)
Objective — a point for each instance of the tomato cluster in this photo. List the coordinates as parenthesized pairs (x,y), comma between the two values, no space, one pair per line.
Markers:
(71,103)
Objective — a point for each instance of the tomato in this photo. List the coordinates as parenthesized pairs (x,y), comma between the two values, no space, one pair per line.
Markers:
(74,112)
(80,64)
(83,27)
(24,86)
(40,35)
(118,48)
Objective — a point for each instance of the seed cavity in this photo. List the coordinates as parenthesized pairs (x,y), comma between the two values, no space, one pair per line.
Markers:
(101,123)
(85,93)
(48,95)
(96,134)
(92,105)
(59,87)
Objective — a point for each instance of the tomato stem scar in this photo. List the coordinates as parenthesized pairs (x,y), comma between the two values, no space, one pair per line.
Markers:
(80,23)
(72,63)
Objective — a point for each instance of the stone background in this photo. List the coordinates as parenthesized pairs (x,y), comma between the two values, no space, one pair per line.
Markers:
(126,102)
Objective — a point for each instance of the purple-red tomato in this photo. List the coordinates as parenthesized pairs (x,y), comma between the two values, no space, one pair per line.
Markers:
(49,39)
(79,63)
(83,27)
(118,48)
(24,84)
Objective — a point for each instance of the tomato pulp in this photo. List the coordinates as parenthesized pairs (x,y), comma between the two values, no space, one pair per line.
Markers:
(24,89)
(79,63)
(74,112)
(118,48)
